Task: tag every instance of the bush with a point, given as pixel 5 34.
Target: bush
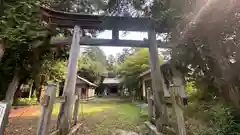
pixel 211 118
pixel 222 122
pixel 26 101
pixel 190 88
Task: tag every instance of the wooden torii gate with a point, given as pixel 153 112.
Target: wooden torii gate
pixel 80 22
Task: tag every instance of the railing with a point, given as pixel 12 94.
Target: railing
pixel 46 111
pixel 176 127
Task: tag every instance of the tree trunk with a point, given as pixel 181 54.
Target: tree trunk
pixel 17 94
pixel 40 93
pixel 10 94
pixel 1 50
pixel 31 90
pixel 12 89
pixel 39 84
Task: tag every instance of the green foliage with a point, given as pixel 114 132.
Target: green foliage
pixel 96 54
pixel 190 88
pixel 211 58
pixel 222 122
pixel 26 101
pixel 92 64
pixel 111 63
pixel 121 56
pixel 210 117
pixel 25 39
pixel 58 71
pixel 20 35
pixel 132 67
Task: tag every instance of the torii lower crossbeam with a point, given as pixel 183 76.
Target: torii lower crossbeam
pixel 107 42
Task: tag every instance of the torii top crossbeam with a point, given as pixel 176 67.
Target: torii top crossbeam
pixel 69 20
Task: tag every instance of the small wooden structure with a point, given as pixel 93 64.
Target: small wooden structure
pixel 85 89
pixel 111 85
pixel 170 74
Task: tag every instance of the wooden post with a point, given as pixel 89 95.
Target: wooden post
pixel 30 91
pixel 150 104
pixel 144 88
pixel 177 108
pixel 46 110
pixel 70 83
pixel 157 86
pixel 76 109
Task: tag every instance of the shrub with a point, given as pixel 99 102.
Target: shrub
pixel 190 88
pixel 26 101
pixel 211 118
pixel 222 122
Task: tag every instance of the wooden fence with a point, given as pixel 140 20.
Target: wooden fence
pixel 46 111
pixel 172 127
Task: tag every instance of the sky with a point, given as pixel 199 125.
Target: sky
pixel 127 36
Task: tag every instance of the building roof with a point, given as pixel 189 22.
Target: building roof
pixel 86 81
pixel 148 71
pixel 111 81
pixel 181 89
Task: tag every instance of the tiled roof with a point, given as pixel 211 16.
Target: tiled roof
pixel 111 81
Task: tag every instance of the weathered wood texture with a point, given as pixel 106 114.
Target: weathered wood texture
pixel 178 110
pixel 55 132
pixel 46 110
pixel 74 129
pixel 70 83
pixel 60 99
pixel 69 20
pixel 157 79
pixel 12 87
pixel 150 104
pixel 76 109
pixel 152 129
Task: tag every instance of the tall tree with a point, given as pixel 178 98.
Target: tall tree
pixel 25 40
pixel 132 67
pixel 122 55
pixel 111 63
pixel 95 53
pixel 208 49
pixel 92 64
pixel 20 34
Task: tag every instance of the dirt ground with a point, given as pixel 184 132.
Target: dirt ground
pixel 98 118
pixel 23 121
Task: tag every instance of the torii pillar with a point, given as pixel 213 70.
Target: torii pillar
pixel 70 83
pixel 157 86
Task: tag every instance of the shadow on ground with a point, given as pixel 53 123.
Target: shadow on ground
pixel 25 125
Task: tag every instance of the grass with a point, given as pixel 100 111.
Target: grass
pixel 104 116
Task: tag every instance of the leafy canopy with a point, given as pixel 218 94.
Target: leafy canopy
pixel 133 66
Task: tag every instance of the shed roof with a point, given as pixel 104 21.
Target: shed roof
pixel 86 81
pixel 111 81
pixel 148 71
